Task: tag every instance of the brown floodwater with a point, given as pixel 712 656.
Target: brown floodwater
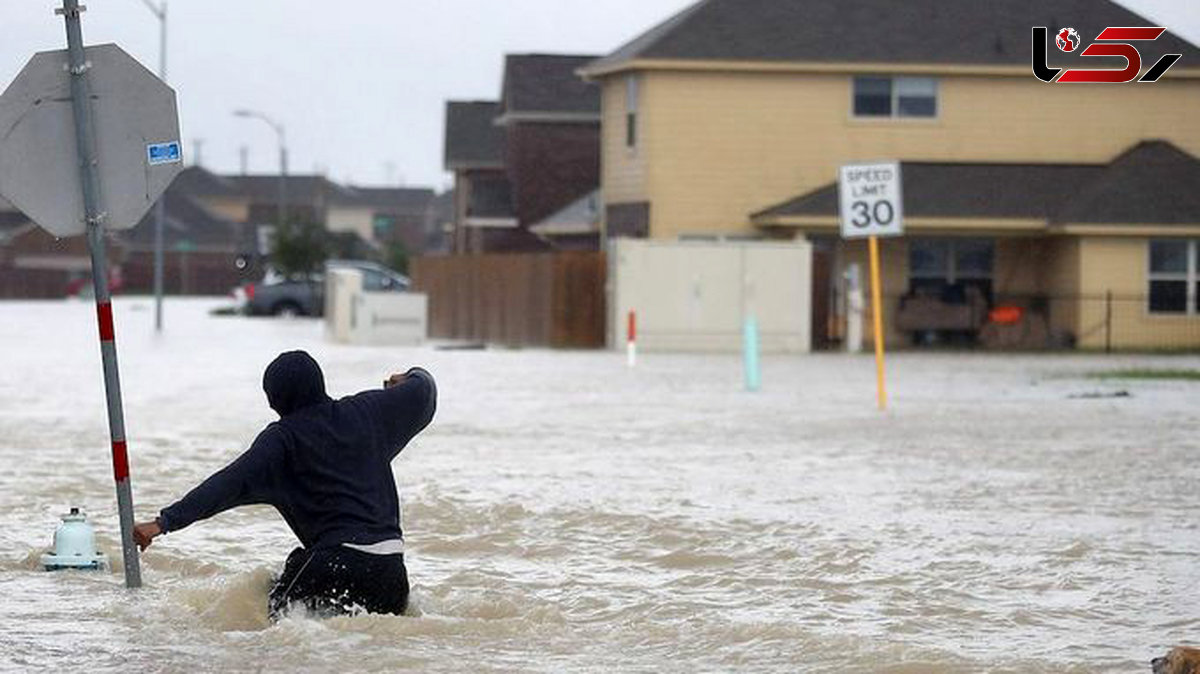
pixel 564 513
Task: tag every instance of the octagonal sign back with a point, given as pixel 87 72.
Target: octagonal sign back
pixel 136 126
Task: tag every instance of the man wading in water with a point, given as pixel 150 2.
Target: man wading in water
pixel 326 467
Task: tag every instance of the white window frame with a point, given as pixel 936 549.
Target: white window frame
pixel 1191 276
pixel 894 110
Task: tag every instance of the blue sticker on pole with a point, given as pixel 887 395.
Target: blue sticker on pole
pixel 164 153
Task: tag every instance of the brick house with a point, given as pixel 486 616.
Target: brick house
pixel 525 158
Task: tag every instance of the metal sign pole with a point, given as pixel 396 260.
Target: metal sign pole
pixel 877 315
pixel 160 214
pixel 93 210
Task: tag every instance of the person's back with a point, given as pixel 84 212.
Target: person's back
pixel 325 466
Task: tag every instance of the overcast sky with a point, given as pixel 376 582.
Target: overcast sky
pixel 360 86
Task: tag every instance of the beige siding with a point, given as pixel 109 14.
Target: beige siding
pixel 1059 279
pixel 235 209
pixel 360 220
pixel 716 147
pixel 1121 265
pixel 623 169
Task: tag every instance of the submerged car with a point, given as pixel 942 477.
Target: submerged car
pixel 305 296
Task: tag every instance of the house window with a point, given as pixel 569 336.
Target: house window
pixel 1174 277
pixel 631 108
pixel 895 97
pixel 946 267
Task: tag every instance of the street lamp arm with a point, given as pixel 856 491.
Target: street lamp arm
pixel 254 114
pixel 159 10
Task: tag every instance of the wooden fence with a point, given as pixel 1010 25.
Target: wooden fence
pixel 31 284
pixel 525 299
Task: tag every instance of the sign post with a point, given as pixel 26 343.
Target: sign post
pixel 872 206
pixel 89 139
pixel 94 217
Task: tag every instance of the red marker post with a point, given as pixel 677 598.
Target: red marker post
pixel 631 339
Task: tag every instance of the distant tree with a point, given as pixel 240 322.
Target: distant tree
pixel 397 256
pixel 300 249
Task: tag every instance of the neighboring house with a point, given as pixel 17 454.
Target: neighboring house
pixel 386 215
pixel 731 120
pixel 551 121
pixel 525 158
pixel 1064 236
pixel 221 196
pixel 217 233
pixel 308 197
pixel 203 253
pixel 474 152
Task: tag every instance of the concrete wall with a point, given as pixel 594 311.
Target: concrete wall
pixel 695 296
pixel 715 146
pixel 353 316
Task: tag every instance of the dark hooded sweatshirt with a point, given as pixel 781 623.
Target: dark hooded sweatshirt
pixel 326 464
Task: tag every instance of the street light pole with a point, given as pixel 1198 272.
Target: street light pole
pixel 160 12
pixel 281 136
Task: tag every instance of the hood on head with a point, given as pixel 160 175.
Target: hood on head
pixel 294 381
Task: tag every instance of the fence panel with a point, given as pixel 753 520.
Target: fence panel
pixel 531 299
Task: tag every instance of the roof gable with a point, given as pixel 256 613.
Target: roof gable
pixel 1153 182
pixel 547 84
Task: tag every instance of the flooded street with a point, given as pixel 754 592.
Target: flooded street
pixel 564 513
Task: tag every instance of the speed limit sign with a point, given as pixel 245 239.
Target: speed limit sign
pixel 871 200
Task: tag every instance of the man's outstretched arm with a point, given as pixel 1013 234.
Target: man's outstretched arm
pixel 406 406
pixel 248 480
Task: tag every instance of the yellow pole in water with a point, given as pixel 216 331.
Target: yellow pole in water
pixel 877 314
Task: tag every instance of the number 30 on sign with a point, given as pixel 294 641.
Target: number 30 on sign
pixel 871 200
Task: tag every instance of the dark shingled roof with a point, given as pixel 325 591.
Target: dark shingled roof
pixel 961 32
pixel 1142 186
pixel 1154 182
pixel 394 200
pixel 301 189
pixel 186 221
pixel 197 181
pixel 472 138
pixel 548 83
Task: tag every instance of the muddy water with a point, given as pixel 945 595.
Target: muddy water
pixel 566 514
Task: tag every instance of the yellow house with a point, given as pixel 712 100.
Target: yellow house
pixel 731 119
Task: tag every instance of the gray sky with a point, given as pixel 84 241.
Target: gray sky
pixel 357 84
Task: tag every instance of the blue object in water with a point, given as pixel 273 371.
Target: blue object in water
pixel 75 546
pixel 750 354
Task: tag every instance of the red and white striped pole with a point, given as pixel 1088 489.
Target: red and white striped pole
pixel 631 339
pixel 94 213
